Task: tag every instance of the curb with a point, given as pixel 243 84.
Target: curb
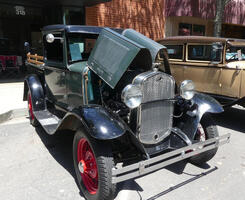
pixel 21 112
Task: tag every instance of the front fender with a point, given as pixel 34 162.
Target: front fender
pixel 33 84
pixel 206 104
pixel 99 122
pixel 190 120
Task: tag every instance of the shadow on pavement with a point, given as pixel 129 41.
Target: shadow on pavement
pixel 195 177
pixel 12 77
pixel 60 147
pixel 129 185
pixel 232 118
pixel 177 168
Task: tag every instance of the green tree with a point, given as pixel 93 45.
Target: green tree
pixel 220 7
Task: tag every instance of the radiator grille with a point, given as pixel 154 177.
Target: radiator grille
pixel 155 117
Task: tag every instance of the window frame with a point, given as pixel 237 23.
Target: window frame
pixel 200 61
pixel 55 63
pixel 183 50
pixel 85 37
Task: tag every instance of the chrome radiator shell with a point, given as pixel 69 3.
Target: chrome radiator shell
pixel 155 114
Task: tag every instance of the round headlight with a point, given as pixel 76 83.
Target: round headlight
pixel 187 89
pixel 132 96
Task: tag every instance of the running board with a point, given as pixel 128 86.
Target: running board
pixel 158 162
pixel 47 120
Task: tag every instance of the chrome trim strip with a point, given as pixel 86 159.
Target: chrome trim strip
pixel 142 168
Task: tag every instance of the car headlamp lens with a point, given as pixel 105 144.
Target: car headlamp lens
pixel 132 96
pixel 187 89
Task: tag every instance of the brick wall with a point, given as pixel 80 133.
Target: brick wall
pixel 145 16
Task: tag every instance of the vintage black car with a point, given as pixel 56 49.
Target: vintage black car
pixel 114 90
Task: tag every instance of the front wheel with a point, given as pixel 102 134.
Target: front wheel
pixel 93 163
pixel 206 130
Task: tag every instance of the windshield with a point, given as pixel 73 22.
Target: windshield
pixel 232 53
pixel 80 46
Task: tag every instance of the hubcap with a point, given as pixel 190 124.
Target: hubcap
pixel 87 166
pixel 82 166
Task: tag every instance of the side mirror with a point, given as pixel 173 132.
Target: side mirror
pixel 26 47
pixel 50 38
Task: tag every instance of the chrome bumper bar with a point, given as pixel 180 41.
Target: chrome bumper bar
pixel 158 162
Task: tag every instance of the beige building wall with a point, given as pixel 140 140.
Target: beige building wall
pixel 172 25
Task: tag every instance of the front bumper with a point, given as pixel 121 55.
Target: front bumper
pixel 158 162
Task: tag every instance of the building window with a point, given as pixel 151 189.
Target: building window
pixel 185 29
pixel 198 30
pixel 191 29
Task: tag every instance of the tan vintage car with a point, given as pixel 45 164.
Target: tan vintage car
pixel 215 65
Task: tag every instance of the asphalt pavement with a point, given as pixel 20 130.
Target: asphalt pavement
pixel 34 165
pixel 11 100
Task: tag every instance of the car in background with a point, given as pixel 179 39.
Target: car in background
pixel 215 65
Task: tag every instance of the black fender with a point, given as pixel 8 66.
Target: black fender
pixel 203 104
pixel 33 84
pixel 100 123
pixel 206 104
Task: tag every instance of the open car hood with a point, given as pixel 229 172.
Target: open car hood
pixel 113 53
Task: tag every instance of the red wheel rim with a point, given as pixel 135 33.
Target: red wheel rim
pixel 87 166
pixel 30 107
pixel 201 133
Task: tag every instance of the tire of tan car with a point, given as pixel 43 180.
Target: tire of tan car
pixel 93 163
pixel 208 129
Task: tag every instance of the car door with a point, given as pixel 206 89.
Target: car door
pixel 55 71
pixel 232 74
pixel 242 91
pixel 231 78
pixel 201 69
